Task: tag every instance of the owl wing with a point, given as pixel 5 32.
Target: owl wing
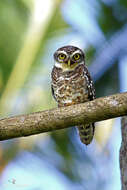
pixel 86 132
pixel 52 90
pixel 90 85
pixel 54 76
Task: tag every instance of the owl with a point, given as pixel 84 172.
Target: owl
pixel 72 84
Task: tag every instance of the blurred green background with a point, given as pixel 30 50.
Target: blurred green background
pixel 30 32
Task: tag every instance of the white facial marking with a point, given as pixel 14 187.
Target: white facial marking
pixel 64 52
pixel 77 51
pixel 68 69
pixel 58 65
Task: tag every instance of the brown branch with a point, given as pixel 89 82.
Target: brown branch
pixel 123 153
pixel 59 118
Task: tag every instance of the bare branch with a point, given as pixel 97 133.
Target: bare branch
pixel 59 118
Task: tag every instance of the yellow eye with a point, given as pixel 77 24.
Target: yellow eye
pixel 62 56
pixel 77 56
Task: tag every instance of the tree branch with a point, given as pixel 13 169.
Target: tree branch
pixel 59 118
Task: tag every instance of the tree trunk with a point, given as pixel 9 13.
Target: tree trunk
pixel 123 153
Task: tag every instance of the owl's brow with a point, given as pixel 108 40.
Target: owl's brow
pixel 61 51
pixel 77 51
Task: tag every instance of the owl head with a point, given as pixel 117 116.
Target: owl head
pixel 69 57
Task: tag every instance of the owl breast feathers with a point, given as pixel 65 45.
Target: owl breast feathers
pixel 72 84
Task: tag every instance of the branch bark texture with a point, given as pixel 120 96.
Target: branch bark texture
pixel 59 118
pixel 123 154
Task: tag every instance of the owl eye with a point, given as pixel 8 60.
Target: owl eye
pixel 77 56
pixel 61 56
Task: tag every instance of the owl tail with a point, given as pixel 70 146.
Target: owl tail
pixel 86 133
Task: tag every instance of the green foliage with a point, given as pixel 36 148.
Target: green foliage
pixel 107 21
pixel 13 22
pixel 79 163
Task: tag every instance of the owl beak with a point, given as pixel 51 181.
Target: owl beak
pixel 69 62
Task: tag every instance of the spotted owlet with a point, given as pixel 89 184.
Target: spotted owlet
pixel 72 84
